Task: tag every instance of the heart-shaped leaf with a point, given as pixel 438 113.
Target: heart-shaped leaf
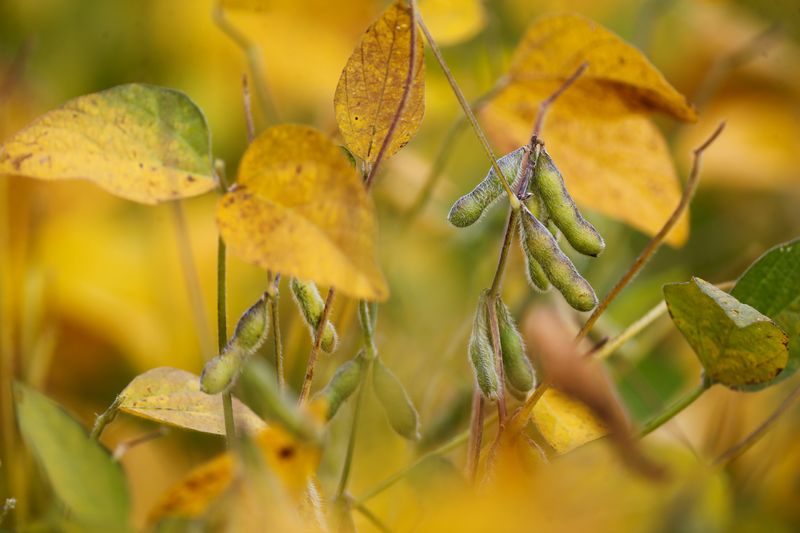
pixel 173 396
pixel 140 142
pixel 738 346
pixel 299 208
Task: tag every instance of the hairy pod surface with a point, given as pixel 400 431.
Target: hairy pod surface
pixel 517 366
pixel 534 272
pixel 539 245
pixel 469 208
pixel 481 354
pixel 252 328
pixel 399 410
pixel 311 306
pixel 220 373
pixel 342 385
pixel 578 231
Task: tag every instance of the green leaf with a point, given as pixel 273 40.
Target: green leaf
pixel 772 285
pixel 738 346
pixel 395 401
pixel 173 396
pixel 81 471
pixel 141 142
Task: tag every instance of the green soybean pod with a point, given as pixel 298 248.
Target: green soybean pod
pixel 311 305
pixel 220 373
pixel 393 397
pixel 469 208
pixel 533 270
pixel 539 245
pixel 579 232
pixel 252 328
pixel 516 365
pixel 481 354
pixel 342 385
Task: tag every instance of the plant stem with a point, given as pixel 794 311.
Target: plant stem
pixel 513 200
pixel 351 443
pixel 369 515
pixel 675 408
pixel 545 104
pixel 312 357
pixel 475 434
pixel 222 339
pixel 104 419
pixel 501 262
pixel 655 242
pixel 276 333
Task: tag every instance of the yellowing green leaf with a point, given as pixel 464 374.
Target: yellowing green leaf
pixel 139 142
pixel 173 396
pixel 553 47
pixel 613 158
pixel 737 346
pixel 453 21
pixel 81 471
pixel 373 82
pixel 564 422
pixel 300 208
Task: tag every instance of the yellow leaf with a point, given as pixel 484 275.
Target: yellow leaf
pixel 139 142
pixel 292 461
pixel 373 82
pixel 553 47
pixel 453 21
pixel 172 396
pixel 613 160
pixel 565 423
pixel 300 208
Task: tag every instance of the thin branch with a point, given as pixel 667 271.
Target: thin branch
pixel 511 224
pixel 104 419
pixel 655 242
pixel 248 110
pixel 544 106
pixel 312 358
pixel 513 200
pixel 745 444
pixel 675 408
pixel 412 59
pixel 124 447
pixel 369 515
pixel 351 441
pixel 276 333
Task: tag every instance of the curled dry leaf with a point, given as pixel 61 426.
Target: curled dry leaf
pixel 173 396
pixel 372 85
pixel 613 158
pixel 300 208
pixel 144 143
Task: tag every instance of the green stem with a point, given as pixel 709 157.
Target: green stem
pixel 351 443
pixel 222 338
pixel 312 357
pixel 675 408
pixel 276 334
pixel 512 198
pixel 369 515
pixel 501 262
pixel 104 419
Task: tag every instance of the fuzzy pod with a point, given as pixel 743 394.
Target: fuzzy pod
pixel 220 373
pixel 481 354
pixel 393 397
pixel 562 209
pixel 469 208
pixel 311 306
pixel 534 272
pixel 539 245
pixel 516 365
pixel 342 385
pixel 252 329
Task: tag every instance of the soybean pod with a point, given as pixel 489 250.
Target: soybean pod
pixel 533 270
pixel 341 386
pixel 311 306
pixel 396 404
pixel 539 245
pixel 578 231
pixel 481 354
pixel 517 366
pixel 471 206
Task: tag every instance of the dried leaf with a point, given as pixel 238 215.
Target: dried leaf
pixel 81 471
pixel 565 422
pixel 139 142
pixel 173 396
pixel 299 208
pixel 453 21
pixel 372 84
pixel 737 346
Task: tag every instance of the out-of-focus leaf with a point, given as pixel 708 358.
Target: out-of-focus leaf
pixel 565 422
pixel 292 461
pixel 173 396
pixel 140 142
pixel 299 208
pixel 772 286
pixel 612 156
pixel 81 471
pixel 372 84
pixel 453 21
pixel 395 401
pixel 738 346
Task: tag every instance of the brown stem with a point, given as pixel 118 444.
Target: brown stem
pixel 544 106
pixel 501 262
pixel 403 101
pixel 312 358
pixel 655 242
